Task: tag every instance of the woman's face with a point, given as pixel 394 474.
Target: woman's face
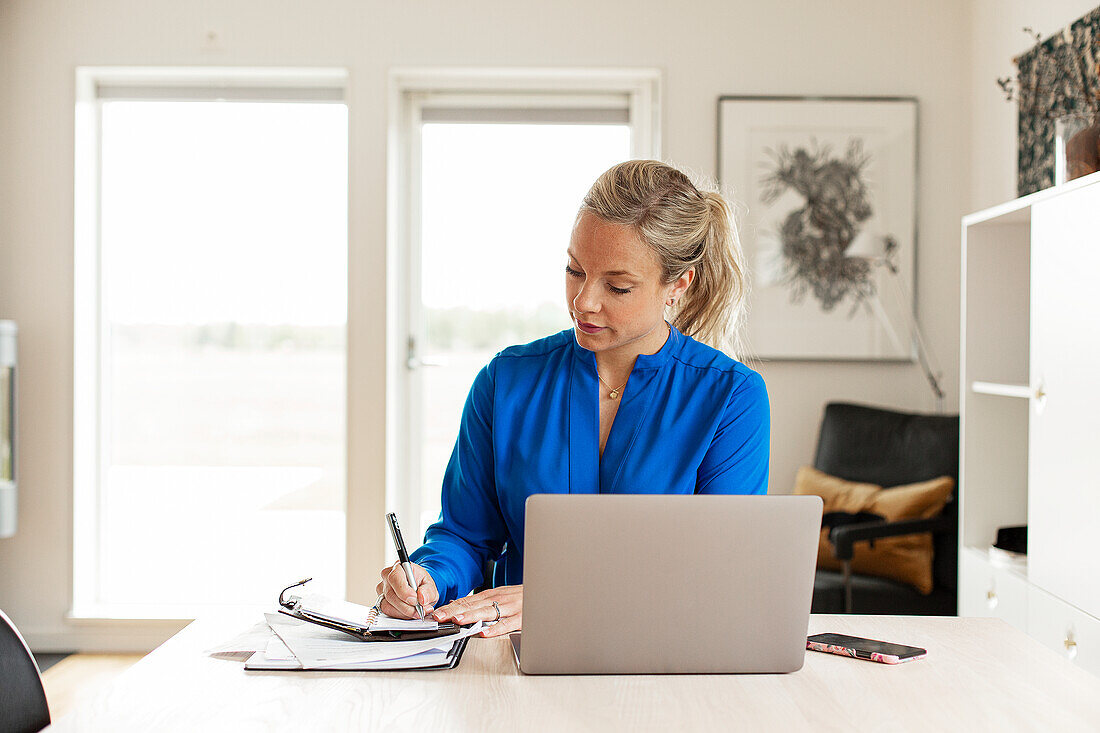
pixel 612 282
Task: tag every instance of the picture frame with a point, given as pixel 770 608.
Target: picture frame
pixel 826 188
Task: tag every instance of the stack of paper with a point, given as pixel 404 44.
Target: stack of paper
pixel 283 642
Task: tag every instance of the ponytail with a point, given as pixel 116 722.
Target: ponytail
pixel 712 308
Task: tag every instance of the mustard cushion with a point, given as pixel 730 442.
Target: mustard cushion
pixel 906 559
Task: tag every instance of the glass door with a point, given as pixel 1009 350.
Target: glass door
pixel 497 202
pixel 220 353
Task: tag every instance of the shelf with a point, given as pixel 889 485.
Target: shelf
pixel 1018 210
pixel 1023 391
pixel 1017 569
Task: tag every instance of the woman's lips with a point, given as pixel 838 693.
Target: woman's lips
pixel 589 328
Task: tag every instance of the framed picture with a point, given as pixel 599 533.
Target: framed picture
pixel 828 229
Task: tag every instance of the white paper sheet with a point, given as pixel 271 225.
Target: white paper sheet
pixel 253 640
pixel 278 651
pixel 319 648
pixel 431 658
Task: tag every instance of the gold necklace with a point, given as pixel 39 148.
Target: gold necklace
pixel 614 392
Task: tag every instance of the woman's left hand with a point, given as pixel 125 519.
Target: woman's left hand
pixel 479 607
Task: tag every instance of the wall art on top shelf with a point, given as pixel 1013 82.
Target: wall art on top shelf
pixel 1057 90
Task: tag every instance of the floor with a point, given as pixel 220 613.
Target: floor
pixel 70 679
pixel 46 660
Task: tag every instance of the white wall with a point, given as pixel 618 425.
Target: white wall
pixel 705 48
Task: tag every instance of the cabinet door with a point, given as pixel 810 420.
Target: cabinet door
pixel 988 591
pixel 1065 629
pixel 1064 425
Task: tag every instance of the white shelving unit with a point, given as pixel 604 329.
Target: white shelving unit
pixel 1030 414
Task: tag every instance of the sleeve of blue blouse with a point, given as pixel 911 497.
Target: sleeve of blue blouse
pixel 737 460
pixel 470 527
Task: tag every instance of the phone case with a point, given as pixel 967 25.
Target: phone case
pixel 845 651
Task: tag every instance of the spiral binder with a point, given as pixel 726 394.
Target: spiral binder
pixel 292 605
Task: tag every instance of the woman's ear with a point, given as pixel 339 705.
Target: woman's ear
pixel 680 286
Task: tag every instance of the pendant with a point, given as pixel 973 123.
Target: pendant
pixel 614 394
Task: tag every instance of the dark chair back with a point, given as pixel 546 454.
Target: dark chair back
pixel 888 448
pixel 23 707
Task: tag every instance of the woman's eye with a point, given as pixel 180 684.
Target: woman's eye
pixel 578 273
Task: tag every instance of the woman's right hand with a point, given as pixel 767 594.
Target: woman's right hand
pixel 399 600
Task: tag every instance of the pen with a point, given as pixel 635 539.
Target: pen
pixel 403 557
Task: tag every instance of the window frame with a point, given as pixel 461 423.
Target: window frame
pixel 94 85
pixel 545 91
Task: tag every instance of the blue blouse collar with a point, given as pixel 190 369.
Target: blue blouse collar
pixel 644 361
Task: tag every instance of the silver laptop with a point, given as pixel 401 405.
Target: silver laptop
pixel 641 584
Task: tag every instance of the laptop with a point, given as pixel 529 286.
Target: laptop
pixel 643 584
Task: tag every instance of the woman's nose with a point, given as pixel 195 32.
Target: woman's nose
pixel 586 300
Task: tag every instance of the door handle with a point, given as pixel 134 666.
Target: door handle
pixel 1040 397
pixel 414 361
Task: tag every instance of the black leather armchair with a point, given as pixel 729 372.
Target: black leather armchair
pixel 888 448
pixel 23 707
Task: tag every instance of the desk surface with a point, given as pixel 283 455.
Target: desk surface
pixel 980 674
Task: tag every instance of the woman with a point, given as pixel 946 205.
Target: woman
pixel 624 402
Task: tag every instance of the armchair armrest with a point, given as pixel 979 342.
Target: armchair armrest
pixel 844 537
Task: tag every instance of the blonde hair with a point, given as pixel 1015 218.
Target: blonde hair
pixel 685 225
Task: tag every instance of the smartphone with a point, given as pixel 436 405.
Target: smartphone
pixel 860 648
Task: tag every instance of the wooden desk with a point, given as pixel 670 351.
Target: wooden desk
pixel 980 674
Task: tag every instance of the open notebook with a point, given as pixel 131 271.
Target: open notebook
pixel 293 645
pixel 361 622
pixel 316 632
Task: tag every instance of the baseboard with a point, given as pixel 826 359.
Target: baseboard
pixel 114 636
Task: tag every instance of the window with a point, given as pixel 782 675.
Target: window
pixel 492 274
pixel 496 174
pixel 210 343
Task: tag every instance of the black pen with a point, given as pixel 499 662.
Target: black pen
pixel 403 558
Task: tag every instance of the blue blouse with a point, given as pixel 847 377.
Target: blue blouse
pixel 692 420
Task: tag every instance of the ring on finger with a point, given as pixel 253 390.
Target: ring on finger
pixel 497 607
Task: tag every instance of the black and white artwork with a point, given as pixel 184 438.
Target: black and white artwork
pixel 828 228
